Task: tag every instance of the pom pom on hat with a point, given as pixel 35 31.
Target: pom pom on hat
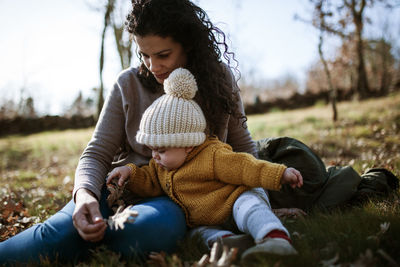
pixel 181 83
pixel 174 119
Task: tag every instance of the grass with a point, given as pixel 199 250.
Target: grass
pixel 36 176
pixel 344 237
pixel 41 168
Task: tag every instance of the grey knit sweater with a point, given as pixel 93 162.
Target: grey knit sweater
pixel 113 142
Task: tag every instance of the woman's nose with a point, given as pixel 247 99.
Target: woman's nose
pixel 154 65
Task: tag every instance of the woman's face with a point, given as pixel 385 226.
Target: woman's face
pixel 160 55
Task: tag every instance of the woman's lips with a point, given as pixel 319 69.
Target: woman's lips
pixel 162 76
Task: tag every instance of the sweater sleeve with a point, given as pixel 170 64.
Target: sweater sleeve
pixel 144 180
pixel 243 169
pixel 238 134
pixel 95 161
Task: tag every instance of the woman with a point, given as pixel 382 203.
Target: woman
pixel 169 34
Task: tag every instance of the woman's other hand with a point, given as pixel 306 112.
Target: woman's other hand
pixel 87 218
pixel 293 177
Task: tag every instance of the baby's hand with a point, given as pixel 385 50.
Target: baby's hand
pixel 122 173
pixel 293 177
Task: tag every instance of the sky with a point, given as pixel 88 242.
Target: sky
pixel 49 49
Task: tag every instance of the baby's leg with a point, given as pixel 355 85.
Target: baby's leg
pixel 209 234
pixel 253 215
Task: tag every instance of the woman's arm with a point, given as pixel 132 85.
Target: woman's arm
pixel 96 159
pixel 238 134
pixel 94 165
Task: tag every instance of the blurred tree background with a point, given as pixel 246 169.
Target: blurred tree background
pixel 355 65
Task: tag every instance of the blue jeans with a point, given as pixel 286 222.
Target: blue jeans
pixel 160 224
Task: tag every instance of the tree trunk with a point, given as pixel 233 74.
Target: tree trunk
pixel 123 47
pixel 332 89
pixel 386 75
pixel 362 86
pixel 107 16
pixel 362 80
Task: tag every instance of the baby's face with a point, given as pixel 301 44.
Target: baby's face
pixel 170 158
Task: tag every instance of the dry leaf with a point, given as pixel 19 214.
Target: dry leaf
pixel 114 199
pixel 122 216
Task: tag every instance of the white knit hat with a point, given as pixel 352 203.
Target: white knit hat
pixel 174 119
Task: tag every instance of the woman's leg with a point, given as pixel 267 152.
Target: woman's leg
pixel 55 237
pixel 158 227
pixel 160 224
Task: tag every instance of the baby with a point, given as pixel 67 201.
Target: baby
pixel 210 182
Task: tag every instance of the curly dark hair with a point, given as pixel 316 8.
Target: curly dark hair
pixel 190 26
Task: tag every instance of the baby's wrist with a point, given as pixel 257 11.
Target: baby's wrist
pixel 131 167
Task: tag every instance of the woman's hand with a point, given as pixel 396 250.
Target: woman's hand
pixel 293 177
pixel 87 218
pixel 122 173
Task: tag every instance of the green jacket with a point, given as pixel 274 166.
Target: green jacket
pixel 323 188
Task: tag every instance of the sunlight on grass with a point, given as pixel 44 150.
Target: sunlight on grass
pixel 38 170
pixel 43 149
pixel 365 135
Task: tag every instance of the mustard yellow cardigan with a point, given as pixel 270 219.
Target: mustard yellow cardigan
pixel 208 183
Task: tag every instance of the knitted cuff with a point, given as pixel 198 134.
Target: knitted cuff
pixel 132 167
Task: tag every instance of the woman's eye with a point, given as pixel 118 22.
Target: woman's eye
pixel 163 55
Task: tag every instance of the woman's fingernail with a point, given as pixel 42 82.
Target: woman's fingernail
pixel 98 219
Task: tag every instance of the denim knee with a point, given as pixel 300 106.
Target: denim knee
pixel 158 227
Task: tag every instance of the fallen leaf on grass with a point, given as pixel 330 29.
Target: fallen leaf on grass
pixel 330 262
pixel 14 217
pixel 366 259
pixel 298 235
pixel 289 213
pixel 383 229
pixel 387 257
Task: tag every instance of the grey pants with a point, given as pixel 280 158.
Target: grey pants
pixel 251 214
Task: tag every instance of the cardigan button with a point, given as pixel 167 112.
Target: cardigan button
pixel 167 185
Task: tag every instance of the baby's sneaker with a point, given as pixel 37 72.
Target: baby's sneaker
pixel 277 246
